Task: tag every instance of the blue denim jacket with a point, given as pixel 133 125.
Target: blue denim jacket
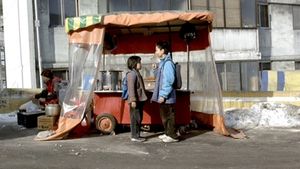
pixel 164 80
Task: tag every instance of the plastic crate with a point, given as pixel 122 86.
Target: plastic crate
pixel 29 119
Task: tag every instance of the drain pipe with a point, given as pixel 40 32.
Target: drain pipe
pixel 37 30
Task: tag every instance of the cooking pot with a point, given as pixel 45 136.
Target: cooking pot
pixel 110 80
pixel 52 109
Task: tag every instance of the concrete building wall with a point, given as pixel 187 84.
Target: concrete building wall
pixel 280 42
pixel 282 33
pixel 296 2
pixel 235 44
pixel 19 43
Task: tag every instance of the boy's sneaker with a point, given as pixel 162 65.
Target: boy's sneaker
pixel 162 136
pixel 168 139
pixel 138 139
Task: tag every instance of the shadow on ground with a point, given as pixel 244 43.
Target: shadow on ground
pixel 12 130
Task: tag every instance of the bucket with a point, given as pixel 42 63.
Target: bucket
pixel 110 80
pixel 52 109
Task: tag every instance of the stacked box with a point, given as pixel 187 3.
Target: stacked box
pixel 47 122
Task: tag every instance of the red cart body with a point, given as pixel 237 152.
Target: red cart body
pixel 110 109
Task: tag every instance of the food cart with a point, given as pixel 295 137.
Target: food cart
pixel 95 40
pixel 139 37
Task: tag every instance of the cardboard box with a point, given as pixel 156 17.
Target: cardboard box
pixel 47 122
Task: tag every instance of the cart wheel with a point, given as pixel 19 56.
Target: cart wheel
pixel 106 123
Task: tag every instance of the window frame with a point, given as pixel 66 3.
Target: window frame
pixel 259 23
pixel 129 2
pixel 255 17
pixel 62 17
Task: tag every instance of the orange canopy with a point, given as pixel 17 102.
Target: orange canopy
pixel 86 29
pixel 139 19
pixel 157 18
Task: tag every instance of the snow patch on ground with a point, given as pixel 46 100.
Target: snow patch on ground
pixel 264 115
pixel 8 117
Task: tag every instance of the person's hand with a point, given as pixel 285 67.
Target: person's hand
pixel 161 100
pixel 154 66
pixel 32 97
pixel 133 104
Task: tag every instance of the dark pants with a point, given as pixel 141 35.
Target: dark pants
pixel 136 117
pixel 167 114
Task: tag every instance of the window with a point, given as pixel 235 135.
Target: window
pixel 239 76
pixel 227 13
pixel 179 5
pixel 264 66
pixel 297 65
pixel 229 76
pixel 55 12
pixel 118 5
pixel 263 15
pixel 232 13
pixel 250 76
pixel 199 4
pixel 61 9
pixel 146 5
pixel 138 5
pixel 61 73
pixel 217 7
pixel 248 13
pixel 296 17
pixel 157 5
pixel 69 8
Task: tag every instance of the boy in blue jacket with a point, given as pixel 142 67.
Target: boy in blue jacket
pixel 164 92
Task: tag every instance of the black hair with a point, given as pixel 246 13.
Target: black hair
pixel 47 73
pixel 133 61
pixel 163 45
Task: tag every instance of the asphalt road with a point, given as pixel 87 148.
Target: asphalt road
pixel 265 148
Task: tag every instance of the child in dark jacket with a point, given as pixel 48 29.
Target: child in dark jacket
pixel 136 97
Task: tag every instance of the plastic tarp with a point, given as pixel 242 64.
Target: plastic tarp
pixel 84 60
pixel 206 100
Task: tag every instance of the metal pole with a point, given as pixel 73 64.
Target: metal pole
pixel 188 66
pixel 37 30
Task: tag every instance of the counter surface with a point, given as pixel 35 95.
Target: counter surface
pixel 120 91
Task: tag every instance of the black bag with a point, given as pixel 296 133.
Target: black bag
pixel 178 81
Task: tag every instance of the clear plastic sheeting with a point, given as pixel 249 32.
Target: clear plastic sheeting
pixel 263 115
pixel 85 61
pixel 84 65
pixel 206 96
